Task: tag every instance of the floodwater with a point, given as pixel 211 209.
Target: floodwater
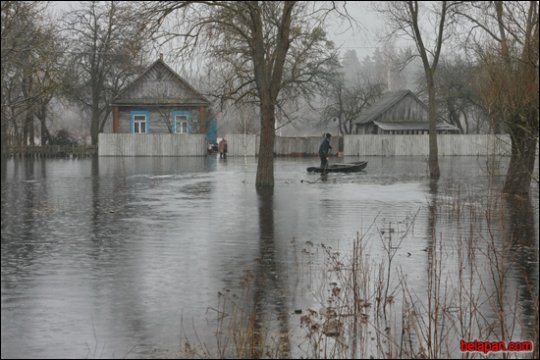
pixel 124 257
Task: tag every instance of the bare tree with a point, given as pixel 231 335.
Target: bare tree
pixel 31 54
pixel 455 82
pixel 108 47
pixel 48 78
pixel 348 102
pixel 405 17
pixel 505 38
pixel 353 87
pixel 268 50
pixel 244 123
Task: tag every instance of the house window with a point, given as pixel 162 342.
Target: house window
pixel 181 124
pixel 139 124
pixel 181 121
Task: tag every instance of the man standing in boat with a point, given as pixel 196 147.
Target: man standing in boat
pixel 324 149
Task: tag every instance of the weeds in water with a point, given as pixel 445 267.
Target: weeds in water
pixel 369 308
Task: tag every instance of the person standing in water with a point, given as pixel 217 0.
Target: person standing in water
pixel 222 148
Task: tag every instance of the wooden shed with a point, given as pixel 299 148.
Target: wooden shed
pixel 399 112
pixel 160 101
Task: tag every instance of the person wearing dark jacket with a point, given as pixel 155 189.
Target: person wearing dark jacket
pixel 324 149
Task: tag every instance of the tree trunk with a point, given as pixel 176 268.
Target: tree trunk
pixel 434 171
pixel 94 125
pixel 519 175
pixel 103 122
pixel 268 77
pixel 265 165
pixel 94 131
pixel 453 114
pixel 342 126
pixel 496 127
pixel 45 134
pixel 28 129
pixel 466 120
pixel 28 119
pixel 97 85
pixel 31 131
pixel 348 127
pixel 3 138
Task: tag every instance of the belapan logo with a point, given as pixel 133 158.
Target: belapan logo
pixel 486 347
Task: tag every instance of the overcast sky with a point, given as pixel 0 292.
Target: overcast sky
pixel 363 37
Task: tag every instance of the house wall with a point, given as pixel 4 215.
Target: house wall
pixel 158 125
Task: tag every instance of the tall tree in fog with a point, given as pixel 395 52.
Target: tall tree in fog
pixel 351 68
pixel 406 17
pixel 270 50
pixel 107 43
pixel 506 42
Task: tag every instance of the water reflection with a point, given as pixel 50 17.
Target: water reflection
pixel 270 289
pixel 123 256
pixel 522 236
pixel 432 213
pixel 3 172
pixel 95 194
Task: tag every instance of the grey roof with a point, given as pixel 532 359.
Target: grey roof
pixel 390 99
pixel 386 101
pixel 199 100
pixel 413 126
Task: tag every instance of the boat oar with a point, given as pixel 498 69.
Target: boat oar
pixel 323 174
pixel 312 182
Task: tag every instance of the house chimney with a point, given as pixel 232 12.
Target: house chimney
pixel 161 56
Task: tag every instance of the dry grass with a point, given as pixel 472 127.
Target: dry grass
pixel 369 310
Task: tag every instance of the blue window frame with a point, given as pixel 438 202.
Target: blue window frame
pixel 140 122
pixel 181 121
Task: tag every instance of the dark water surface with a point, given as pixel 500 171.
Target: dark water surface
pixel 123 257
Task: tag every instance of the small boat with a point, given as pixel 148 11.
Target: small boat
pixel 347 167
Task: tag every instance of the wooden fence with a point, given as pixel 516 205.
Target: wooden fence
pixel 354 145
pixel 376 145
pixel 448 145
pixel 302 146
pixel 152 145
pixel 248 145
pixel 242 144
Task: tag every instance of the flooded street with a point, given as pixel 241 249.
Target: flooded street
pixel 124 257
